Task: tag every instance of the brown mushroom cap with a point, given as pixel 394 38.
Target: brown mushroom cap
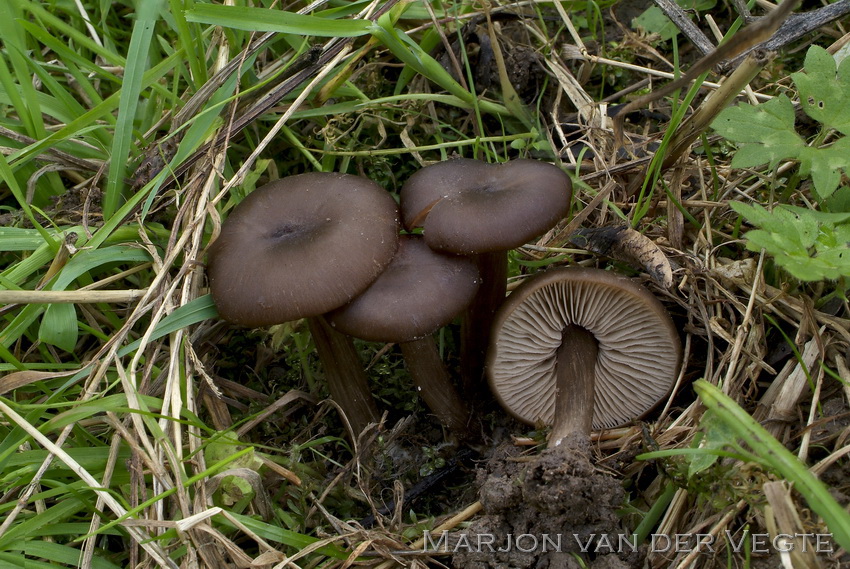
pixel 301 246
pixel 419 292
pixel 470 207
pixel 638 346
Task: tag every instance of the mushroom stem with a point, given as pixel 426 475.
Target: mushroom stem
pixel 434 384
pixel 347 382
pixel 575 384
pixel 478 320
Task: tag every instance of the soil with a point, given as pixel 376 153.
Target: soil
pixel 539 513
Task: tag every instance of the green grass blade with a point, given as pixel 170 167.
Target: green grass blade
pixel 60 553
pixel 776 456
pixel 8 176
pixel 59 326
pixel 137 60
pixel 61 511
pixel 188 37
pixel 13 39
pixel 193 312
pixel 265 20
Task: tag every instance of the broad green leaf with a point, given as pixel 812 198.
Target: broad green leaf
pixel 828 218
pixel 19 239
pixel 823 89
pixel 716 436
pixel 796 228
pixel 810 245
pixel 764 133
pixel 654 21
pixel 88 259
pixel 824 165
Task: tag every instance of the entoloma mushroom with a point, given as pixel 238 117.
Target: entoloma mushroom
pixel 469 207
pixel 299 247
pixel 420 291
pixel 581 349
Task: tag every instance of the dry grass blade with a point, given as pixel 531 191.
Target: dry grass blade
pixel 69 296
pixel 787 529
pixel 143 539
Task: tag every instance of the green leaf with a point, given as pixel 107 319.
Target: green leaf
pixel 111 403
pixel 190 313
pixel 810 245
pixel 59 553
pixel 823 89
pixel 764 133
pixel 653 20
pixel 265 20
pixel 131 89
pixel 824 165
pixel 796 229
pixel 19 239
pixel 717 436
pixel 59 326
pixel 59 512
pixel 291 538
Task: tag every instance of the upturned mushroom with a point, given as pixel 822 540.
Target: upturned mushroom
pixel 469 207
pixel 581 349
pixel 299 247
pixel 421 291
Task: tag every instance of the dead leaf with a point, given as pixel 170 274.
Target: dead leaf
pixel 629 246
pixel 16 379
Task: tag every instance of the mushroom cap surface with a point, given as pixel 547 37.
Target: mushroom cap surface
pixel 301 246
pixel 469 207
pixel 638 346
pixel 419 292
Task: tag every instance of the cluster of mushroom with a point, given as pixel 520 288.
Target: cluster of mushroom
pixel 326 247
pixel 573 348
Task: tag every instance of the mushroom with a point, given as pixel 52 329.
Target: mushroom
pixel 581 349
pixel 420 291
pixel 469 207
pixel 299 247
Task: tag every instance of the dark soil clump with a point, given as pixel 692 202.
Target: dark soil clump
pixel 539 513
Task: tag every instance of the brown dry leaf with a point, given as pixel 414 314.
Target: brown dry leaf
pixel 268 558
pixel 625 244
pixel 16 379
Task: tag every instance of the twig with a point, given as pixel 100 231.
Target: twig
pixel 744 40
pixel 686 26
